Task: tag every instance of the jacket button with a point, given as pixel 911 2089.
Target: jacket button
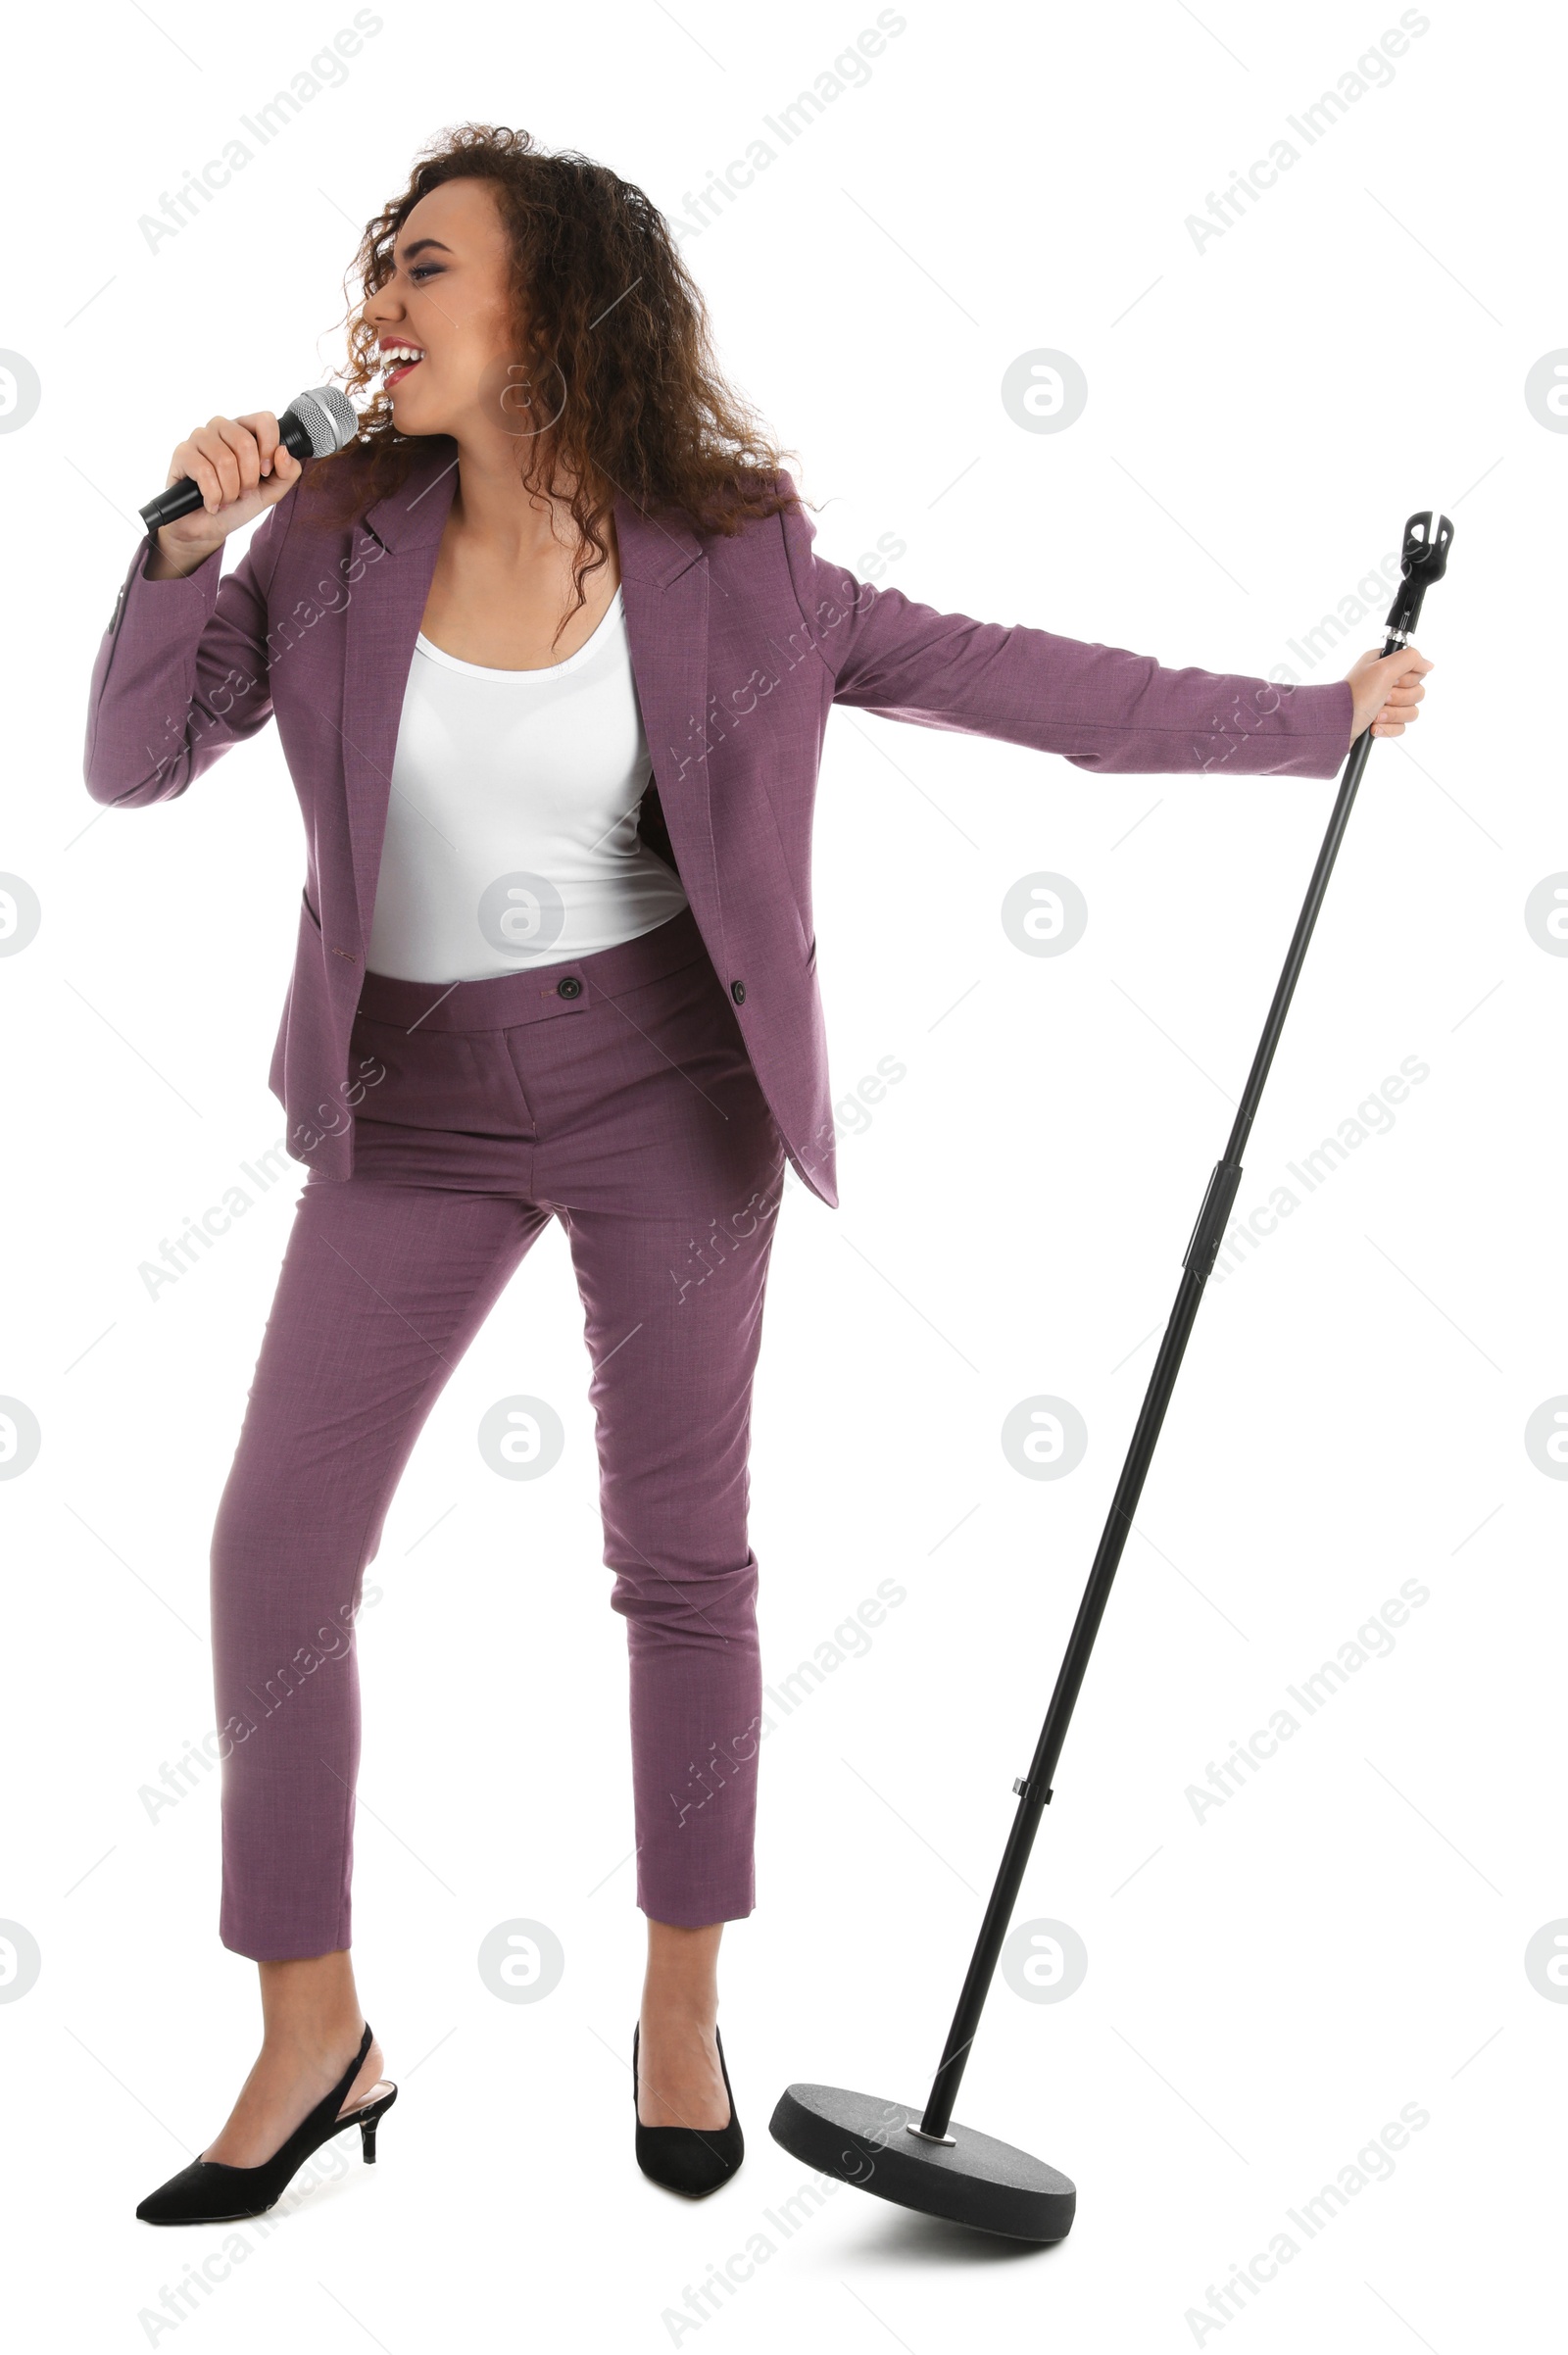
pixel 570 986
pixel 737 990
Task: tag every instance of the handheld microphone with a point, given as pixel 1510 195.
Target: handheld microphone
pixel 313 425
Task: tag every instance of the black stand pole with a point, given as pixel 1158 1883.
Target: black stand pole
pixel 1424 557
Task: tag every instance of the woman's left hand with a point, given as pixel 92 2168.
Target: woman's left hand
pixel 1386 689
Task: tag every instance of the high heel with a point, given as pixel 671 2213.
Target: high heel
pixel 692 2160
pixel 209 2193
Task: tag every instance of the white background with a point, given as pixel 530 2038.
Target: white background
pixel 1267 1987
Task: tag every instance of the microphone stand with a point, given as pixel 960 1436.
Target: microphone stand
pixel 1424 558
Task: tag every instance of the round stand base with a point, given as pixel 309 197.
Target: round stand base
pixel 970 2181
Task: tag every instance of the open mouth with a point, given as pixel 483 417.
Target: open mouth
pixel 396 360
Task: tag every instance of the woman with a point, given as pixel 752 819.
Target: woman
pixel 551 654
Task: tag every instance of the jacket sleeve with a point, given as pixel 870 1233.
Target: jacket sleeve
pixel 183 671
pixel 1097 706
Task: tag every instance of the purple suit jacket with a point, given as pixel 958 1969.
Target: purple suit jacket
pixel 740 648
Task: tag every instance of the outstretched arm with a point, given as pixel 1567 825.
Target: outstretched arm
pixel 1099 707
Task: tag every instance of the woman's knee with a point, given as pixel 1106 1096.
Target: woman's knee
pixel 664 1602
pixel 285 1559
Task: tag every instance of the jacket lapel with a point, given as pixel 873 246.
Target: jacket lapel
pixel 664 593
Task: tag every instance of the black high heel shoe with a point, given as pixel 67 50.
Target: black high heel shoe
pixel 692 2160
pixel 209 2193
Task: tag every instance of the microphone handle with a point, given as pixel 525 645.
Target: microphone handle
pixel 184 497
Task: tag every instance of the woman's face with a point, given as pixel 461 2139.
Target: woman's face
pixel 448 307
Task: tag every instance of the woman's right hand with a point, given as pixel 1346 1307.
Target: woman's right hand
pixel 241 468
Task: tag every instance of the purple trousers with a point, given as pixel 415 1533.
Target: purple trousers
pixel 612 1091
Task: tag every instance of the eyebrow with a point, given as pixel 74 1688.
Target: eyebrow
pixel 419 245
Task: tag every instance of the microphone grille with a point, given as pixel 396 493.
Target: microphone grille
pixel 328 416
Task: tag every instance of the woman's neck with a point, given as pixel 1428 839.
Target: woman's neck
pixel 495 510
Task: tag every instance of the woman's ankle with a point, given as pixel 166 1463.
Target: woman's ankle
pixel 309 2009
pixel 680 2007
pixel 680 1984
pixel 314 2044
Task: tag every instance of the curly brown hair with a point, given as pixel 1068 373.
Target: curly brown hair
pixel 600 294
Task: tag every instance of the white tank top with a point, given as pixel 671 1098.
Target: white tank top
pixel 511 824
